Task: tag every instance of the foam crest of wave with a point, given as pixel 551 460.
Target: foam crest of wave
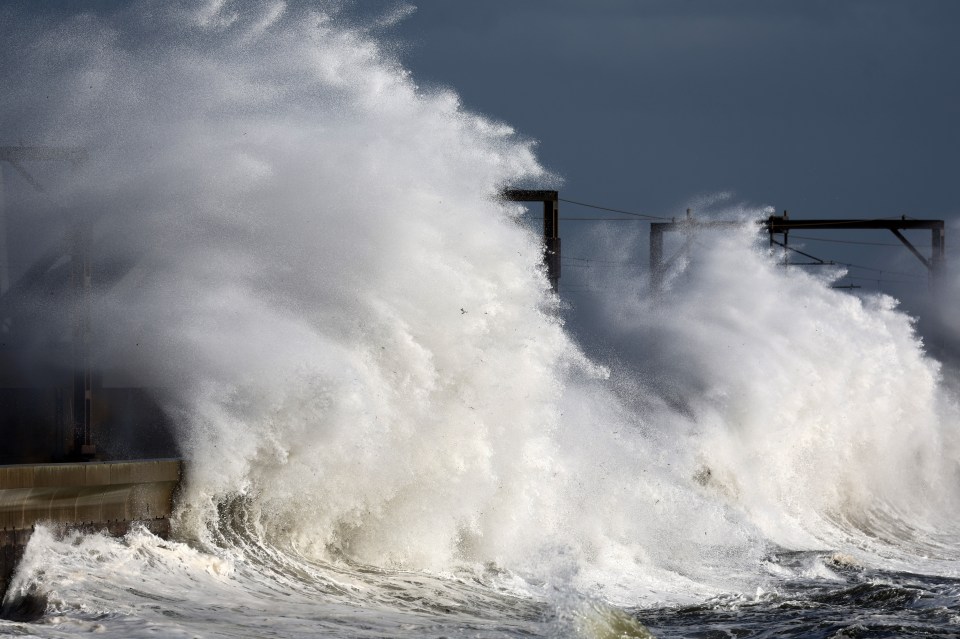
pixel 364 356
pixel 814 411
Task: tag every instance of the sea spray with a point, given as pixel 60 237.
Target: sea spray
pixel 370 374
pixel 317 274
pixel 814 410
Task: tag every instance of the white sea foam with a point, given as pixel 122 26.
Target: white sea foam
pixel 367 365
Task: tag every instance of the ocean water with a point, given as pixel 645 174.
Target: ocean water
pixel 388 430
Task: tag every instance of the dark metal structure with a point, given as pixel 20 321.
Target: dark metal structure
pixel 80 285
pixel 687 226
pixel 48 410
pixel 782 225
pixel 551 227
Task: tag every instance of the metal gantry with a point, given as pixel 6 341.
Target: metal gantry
pixel 15 156
pixel 551 227
pixel 687 226
pixel 781 225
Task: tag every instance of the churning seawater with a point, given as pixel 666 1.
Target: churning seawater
pixel 388 430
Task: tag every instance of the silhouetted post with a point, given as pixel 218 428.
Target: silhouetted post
pixel 938 252
pixel 688 227
pixel 688 236
pixel 934 264
pixel 551 240
pixel 786 240
pixel 4 257
pixel 656 255
pixel 82 375
pixel 551 227
pixel 16 156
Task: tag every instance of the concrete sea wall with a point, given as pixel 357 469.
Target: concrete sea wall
pixel 108 496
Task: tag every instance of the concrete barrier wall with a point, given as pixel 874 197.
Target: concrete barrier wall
pixel 86 493
pixel 89 473
pixel 92 496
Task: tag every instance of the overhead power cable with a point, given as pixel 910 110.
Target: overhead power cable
pixel 564 218
pixel 579 265
pixel 603 219
pixel 849 264
pixel 812 257
pixel 601 263
pixel 882 270
pixel 591 259
pixel 606 208
pixel 820 239
pixel 878 279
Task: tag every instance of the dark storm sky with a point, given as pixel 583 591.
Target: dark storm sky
pixel 821 107
pixel 827 108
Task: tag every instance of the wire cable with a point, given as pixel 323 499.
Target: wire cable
pixel 849 264
pixel 591 259
pixel 605 208
pixel 878 279
pixel 790 248
pixel 882 270
pixel 602 219
pixel 820 239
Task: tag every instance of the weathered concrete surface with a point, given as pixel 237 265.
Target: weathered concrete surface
pixel 107 496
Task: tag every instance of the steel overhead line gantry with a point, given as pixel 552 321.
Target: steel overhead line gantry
pixel 551 227
pixel 83 446
pixel 782 225
pixel 658 266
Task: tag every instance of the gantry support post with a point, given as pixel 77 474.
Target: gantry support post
pixel 551 227
pixel 657 268
pixel 934 265
pixel 83 446
pixel 81 395
pixel 938 251
pixel 689 226
pixel 786 242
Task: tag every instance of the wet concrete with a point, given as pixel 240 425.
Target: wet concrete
pixel 94 496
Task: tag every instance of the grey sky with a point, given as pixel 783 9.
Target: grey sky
pixel 826 108
pixel 820 107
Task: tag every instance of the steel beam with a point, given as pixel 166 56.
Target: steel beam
pixel 659 266
pixel 83 447
pixel 551 227
pixel 937 228
pixel 779 224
